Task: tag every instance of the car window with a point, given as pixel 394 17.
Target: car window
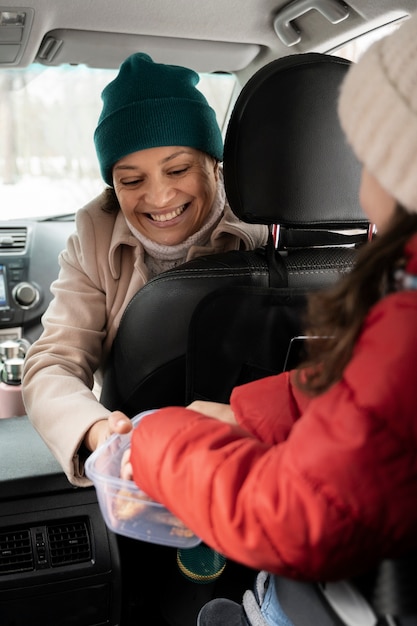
pixel 48 165
pixel 354 49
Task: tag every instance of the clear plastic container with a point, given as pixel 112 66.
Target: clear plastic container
pixel 126 509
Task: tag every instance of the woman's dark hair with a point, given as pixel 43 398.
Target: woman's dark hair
pixel 110 202
pixel 337 315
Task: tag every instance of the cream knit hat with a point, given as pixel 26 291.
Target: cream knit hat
pixel 378 112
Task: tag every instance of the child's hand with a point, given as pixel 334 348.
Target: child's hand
pixel 221 412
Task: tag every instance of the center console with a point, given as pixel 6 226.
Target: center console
pixel 28 265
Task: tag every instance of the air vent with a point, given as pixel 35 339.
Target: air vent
pixel 12 239
pixel 69 542
pixel 15 552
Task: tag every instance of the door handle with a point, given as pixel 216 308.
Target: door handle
pixel 332 10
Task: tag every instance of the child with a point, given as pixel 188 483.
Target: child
pixel 312 475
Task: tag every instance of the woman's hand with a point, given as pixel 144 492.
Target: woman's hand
pixel 221 412
pixel 126 471
pixel 117 422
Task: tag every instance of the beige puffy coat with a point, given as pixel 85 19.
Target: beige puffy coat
pixel 101 269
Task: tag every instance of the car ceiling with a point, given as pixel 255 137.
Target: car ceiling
pixel 220 35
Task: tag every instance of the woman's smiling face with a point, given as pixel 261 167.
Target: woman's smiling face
pixel 166 193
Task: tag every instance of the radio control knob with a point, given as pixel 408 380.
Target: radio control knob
pixel 26 295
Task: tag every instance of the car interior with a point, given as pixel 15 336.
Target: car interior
pixel 225 320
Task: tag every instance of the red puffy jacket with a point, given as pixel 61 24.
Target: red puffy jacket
pixel 312 489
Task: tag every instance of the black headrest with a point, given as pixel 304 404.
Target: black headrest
pixel 286 160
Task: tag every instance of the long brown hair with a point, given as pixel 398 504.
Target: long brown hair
pixel 336 315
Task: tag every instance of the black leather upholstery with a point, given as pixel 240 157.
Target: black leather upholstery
pixel 250 339
pixel 147 368
pixel 199 329
pixel 286 160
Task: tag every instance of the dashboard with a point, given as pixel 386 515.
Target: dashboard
pixel 28 265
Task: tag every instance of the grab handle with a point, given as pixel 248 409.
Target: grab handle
pixel 332 10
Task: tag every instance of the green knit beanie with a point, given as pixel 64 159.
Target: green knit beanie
pixel 149 105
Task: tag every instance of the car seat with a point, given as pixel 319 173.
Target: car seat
pixel 199 329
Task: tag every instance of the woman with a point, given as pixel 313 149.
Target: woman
pixel 312 475
pixel 159 148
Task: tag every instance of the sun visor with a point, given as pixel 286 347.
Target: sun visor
pixel 109 50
